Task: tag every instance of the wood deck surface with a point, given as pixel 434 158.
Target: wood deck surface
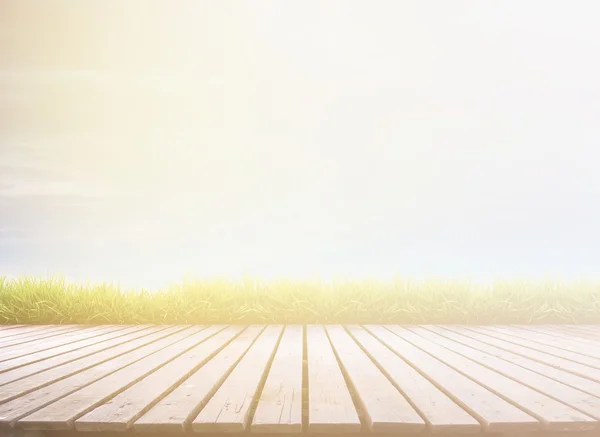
pixel 315 379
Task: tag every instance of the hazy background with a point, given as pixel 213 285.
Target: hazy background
pixel 144 140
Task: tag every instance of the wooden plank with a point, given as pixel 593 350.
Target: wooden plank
pixel 570 379
pixel 57 340
pixel 581 337
pixel 62 332
pixel 7 327
pixel 23 386
pixel 83 343
pixel 552 414
pixel 574 330
pixel 384 408
pixel 17 330
pixel 595 337
pixel 552 340
pixel 542 357
pixel 571 326
pixel 29 337
pixel 441 414
pixel 565 328
pixel 593 328
pixel 578 400
pixel 175 411
pixel 330 406
pixel 20 330
pixel 21 406
pixel 279 408
pixel 119 413
pixel 561 353
pixel 554 332
pixel 577 351
pixel 494 413
pixel 563 332
pixel 61 414
pixel 24 366
pixel 229 409
pixel 578 329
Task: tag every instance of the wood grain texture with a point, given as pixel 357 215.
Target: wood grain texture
pixel 578 400
pixel 7 327
pixel 594 329
pixel 384 408
pixel 275 380
pixel 21 406
pixel 119 413
pixel 35 363
pixel 551 350
pixel 229 409
pixel 542 357
pixel 552 414
pixel 29 330
pixel 13 331
pixel 548 344
pixel 441 413
pixel 27 337
pixel 588 335
pixel 581 335
pixel 553 339
pixel 173 413
pixel 279 408
pixel 570 379
pixel 62 413
pixel 494 413
pixel 65 350
pixel 56 341
pixel 584 329
pixel 330 405
pixel 21 387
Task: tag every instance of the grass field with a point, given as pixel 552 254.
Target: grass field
pixel 34 300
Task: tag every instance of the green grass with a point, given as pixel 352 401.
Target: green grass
pixel 34 300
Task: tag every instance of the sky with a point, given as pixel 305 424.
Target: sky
pixel 141 141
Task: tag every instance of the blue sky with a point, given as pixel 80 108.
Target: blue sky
pixel 309 139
